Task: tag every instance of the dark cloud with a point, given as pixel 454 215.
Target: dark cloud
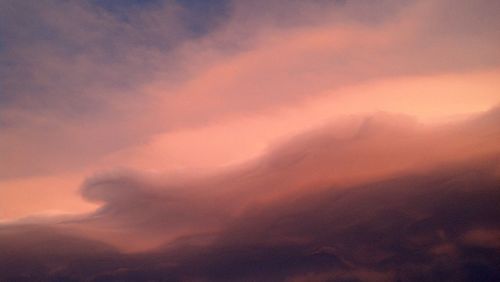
pixel 41 253
pixel 387 200
pixel 411 228
pixel 437 221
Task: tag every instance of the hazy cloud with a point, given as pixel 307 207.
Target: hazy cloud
pixel 249 140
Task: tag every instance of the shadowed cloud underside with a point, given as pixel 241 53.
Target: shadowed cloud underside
pixel 190 140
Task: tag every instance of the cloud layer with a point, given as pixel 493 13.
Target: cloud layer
pixel 315 209
pixel 249 140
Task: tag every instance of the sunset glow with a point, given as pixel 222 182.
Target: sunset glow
pixel 192 140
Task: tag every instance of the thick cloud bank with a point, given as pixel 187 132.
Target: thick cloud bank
pixel 237 140
pixel 327 206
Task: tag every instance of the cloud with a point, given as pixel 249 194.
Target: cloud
pixel 380 147
pixel 81 81
pixel 368 155
pixel 310 210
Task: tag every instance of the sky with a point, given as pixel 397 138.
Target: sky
pixel 278 140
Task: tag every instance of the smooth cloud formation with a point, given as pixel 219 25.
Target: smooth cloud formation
pixel 355 208
pixel 71 71
pixel 191 140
